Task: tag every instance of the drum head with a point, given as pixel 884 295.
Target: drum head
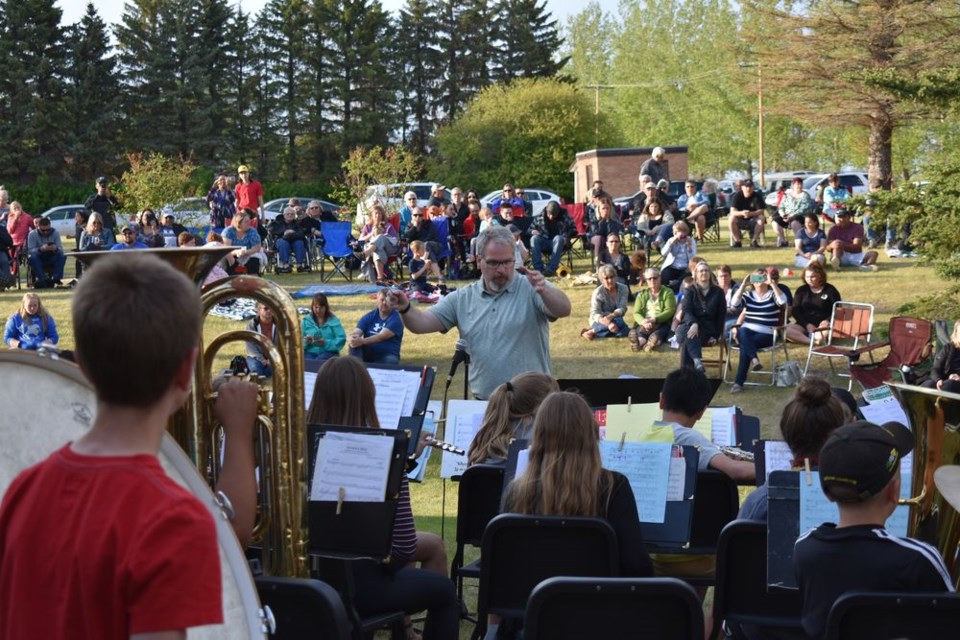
pixel 32 430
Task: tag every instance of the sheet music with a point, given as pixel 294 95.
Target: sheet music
pixel 392 390
pixel 464 418
pixel 355 462
pixel 676 486
pixel 705 424
pixel 816 508
pixel 776 457
pixel 723 430
pixel 523 459
pixel 309 382
pixel 647 466
pixel 884 408
pixel 634 420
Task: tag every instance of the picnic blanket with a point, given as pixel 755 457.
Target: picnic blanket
pixel 336 289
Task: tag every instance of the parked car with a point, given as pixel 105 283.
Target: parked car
pixel 775 182
pixel 676 190
pixel 391 195
pixel 193 213
pixel 854 181
pixel 63 219
pixel 538 198
pixel 276 207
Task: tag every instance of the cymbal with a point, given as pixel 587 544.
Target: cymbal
pixel 947 479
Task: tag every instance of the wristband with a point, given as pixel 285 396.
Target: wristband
pixel 405 309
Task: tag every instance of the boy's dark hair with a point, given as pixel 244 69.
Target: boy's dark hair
pixel 686 391
pixel 136 319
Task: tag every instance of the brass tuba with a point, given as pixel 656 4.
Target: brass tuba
pixel 935 422
pixel 281 455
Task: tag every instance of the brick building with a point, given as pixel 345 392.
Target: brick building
pixel 620 169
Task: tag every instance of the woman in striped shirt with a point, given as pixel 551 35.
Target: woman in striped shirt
pixel 763 302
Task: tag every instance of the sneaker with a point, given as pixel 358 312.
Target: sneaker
pixel 868 267
pixel 736 244
pixel 755 244
pixel 302 267
pixel 698 365
pixel 782 243
pixel 893 252
pixel 756 365
pixel 835 261
pixel 736 388
pixel 674 344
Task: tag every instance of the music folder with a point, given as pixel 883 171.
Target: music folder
pixel 360 529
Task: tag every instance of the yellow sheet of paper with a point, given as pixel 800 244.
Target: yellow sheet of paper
pixel 705 425
pixel 637 421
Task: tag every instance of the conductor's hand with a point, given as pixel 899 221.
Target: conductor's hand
pixel 535 278
pixel 236 407
pixel 398 300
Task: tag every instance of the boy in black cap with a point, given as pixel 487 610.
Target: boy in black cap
pixel 860 471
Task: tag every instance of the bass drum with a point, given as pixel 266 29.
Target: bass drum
pixel 47 403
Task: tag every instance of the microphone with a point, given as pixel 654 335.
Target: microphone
pixel 460 355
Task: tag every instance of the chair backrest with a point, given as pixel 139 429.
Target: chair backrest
pixel 337 237
pixel 303 608
pixel 850 321
pixel 715 504
pixel 880 616
pixel 576 212
pixel 613 609
pixel 910 341
pixel 520 551
pixel 741 595
pixel 481 487
pixel 442 225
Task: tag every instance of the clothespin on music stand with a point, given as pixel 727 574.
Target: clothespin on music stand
pixel 341 495
pixel 623 440
pixel 806 468
pixel 629 403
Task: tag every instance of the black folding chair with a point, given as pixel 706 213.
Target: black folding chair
pixel 481 487
pixel 885 616
pixel 520 551
pixel 613 609
pixel 303 608
pixel 715 503
pixel 338 573
pixel 741 598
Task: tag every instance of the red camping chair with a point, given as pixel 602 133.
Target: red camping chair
pixel 910 345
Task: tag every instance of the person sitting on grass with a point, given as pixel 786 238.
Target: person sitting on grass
pixel 608 306
pixel 419 266
pixel 860 472
pixel 652 312
pixel 323 335
pixel 379 334
pixel 677 252
pixel 31 327
pixel 845 244
pixel 263 323
pixel 509 416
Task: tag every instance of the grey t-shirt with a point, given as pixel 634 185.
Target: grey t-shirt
pixel 507 333
pixel 687 437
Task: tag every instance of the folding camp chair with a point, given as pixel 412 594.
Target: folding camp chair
pixel 336 250
pixel 910 345
pixel 770 369
pixel 850 326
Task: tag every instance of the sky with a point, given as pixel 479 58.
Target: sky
pixel 111 10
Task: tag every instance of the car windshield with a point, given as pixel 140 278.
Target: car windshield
pixel 810 183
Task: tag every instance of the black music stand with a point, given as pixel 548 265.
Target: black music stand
pixel 599 392
pixel 361 529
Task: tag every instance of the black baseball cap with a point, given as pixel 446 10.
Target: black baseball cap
pixel 859 459
pixel 102 180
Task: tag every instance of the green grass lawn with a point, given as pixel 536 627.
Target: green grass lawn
pixel 435 501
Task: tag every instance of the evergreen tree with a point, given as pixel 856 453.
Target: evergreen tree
pixel 222 47
pixel 464 37
pixel 528 41
pixel 92 118
pixel 359 90
pixel 421 72
pixel 32 104
pixel 285 26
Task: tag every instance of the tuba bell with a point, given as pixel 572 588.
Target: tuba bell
pixel 281 528
pixel 935 422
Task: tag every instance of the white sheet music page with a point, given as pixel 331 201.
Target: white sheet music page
pixel 309 382
pixel 776 456
pixel 722 421
pixel 355 462
pixel 883 407
pixel 464 418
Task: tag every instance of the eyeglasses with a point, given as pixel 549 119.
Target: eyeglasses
pixel 127 233
pixel 496 264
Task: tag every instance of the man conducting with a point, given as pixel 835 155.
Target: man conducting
pixel 504 319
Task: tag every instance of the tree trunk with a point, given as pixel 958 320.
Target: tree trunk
pixel 880 152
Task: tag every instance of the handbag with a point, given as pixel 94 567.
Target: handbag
pixel 787 374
